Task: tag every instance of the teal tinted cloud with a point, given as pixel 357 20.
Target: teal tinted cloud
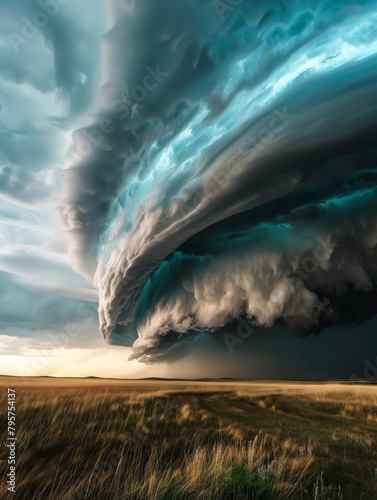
pixel 204 153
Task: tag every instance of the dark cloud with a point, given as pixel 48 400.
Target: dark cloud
pixel 227 145
pixel 226 169
pixel 345 352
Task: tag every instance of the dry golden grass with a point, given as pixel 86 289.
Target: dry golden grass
pixel 109 439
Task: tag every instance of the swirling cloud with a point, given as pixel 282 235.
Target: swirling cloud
pixel 230 170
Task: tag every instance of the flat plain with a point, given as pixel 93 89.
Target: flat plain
pixel 167 439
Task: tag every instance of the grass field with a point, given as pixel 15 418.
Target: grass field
pixel 109 439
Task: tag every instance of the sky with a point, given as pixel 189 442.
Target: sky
pixel 188 188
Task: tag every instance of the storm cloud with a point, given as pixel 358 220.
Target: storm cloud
pixel 230 171
pixel 207 163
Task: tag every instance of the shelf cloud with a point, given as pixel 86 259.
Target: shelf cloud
pixel 230 171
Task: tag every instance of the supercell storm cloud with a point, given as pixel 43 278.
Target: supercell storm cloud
pixel 230 170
